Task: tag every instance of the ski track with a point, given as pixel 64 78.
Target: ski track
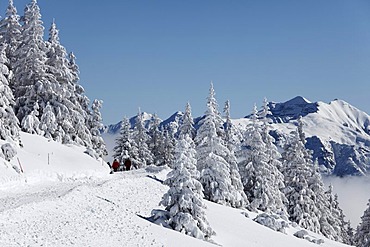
pixel 89 213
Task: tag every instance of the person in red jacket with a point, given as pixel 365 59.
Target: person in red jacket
pixel 115 165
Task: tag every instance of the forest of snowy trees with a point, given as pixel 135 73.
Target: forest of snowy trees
pixel 241 169
pixel 40 93
pixel 40 89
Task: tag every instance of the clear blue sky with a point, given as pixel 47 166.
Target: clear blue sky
pixel 158 55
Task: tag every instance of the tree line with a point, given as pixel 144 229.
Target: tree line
pixel 244 168
pixel 40 91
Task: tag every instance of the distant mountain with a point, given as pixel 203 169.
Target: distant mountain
pixel 337 133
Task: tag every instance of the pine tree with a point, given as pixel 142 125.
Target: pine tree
pixel 141 138
pixel 31 123
pixel 187 123
pixel 8 121
pixel 34 83
pixel 124 144
pixel 10 33
pixel 183 201
pixel 98 144
pixel 48 122
pixel 232 140
pixel 156 141
pixel 301 205
pixel 168 148
pixel 260 176
pixel 211 154
pixel 362 236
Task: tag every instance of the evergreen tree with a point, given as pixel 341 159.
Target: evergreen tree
pixel 8 121
pixel 33 82
pixel 168 148
pixel 232 135
pixel 211 154
pixel 156 141
pixel 187 123
pixel 124 144
pixel 232 140
pixel 10 33
pixel 261 179
pixel 141 138
pixel 48 122
pixel 31 123
pixel 362 236
pixel 98 144
pixel 183 201
pixel 301 205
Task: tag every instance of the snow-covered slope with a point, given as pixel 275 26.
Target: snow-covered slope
pixel 42 159
pixel 111 211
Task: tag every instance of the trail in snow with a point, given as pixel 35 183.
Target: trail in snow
pixel 81 213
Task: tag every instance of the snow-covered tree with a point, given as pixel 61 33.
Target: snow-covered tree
pixel 31 123
pixel 48 122
pixel 156 141
pixel 168 147
pixel 333 224
pixel 362 236
pixel 124 144
pixel 33 82
pixel 184 199
pixel 96 125
pixel 8 121
pixel 141 138
pixel 211 154
pixel 10 33
pixel 232 135
pixel 260 176
pixel 187 123
pixel 301 205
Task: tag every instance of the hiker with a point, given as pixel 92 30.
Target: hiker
pixel 115 165
pixel 127 164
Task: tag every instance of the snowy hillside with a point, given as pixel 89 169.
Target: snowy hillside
pixel 111 211
pixel 46 160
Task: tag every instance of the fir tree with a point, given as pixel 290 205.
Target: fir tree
pixel 211 154
pixel 169 142
pixel 124 144
pixel 260 176
pixel 96 125
pixel 31 123
pixel 183 201
pixel 10 33
pixel 156 141
pixel 187 123
pixel 141 138
pixel 8 121
pixel 301 205
pixel 362 236
pixel 33 82
pixel 48 122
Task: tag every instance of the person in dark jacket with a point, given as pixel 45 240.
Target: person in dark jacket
pixel 115 165
pixel 127 164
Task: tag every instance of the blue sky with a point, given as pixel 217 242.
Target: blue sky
pixel 158 55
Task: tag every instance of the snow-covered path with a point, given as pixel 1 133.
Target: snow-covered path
pixel 84 213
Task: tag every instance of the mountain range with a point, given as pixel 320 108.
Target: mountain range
pixel 337 133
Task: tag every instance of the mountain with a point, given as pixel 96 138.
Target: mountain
pixel 337 133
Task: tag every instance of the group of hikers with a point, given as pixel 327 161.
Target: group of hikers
pixel 116 165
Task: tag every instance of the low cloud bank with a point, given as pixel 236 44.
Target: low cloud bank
pixel 353 195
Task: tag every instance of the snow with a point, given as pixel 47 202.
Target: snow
pixel 74 201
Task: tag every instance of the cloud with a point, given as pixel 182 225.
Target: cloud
pixel 353 195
